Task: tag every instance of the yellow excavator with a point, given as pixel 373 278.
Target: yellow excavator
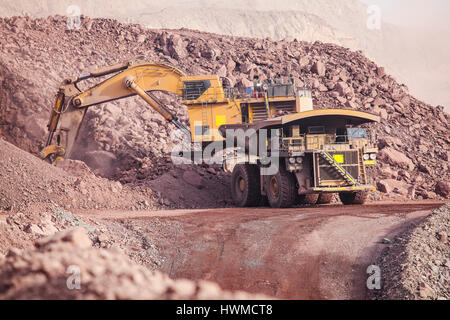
pixel 318 152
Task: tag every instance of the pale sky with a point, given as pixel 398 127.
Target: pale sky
pixel 415 13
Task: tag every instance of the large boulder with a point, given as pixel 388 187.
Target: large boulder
pixel 246 67
pixel 319 68
pixel 341 87
pixel 443 189
pixel 396 158
pixel 222 71
pixel 392 185
pixel 177 47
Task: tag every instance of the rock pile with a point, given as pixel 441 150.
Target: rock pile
pixel 65 266
pixel 21 230
pixel 417 264
pixel 36 54
pixel 30 184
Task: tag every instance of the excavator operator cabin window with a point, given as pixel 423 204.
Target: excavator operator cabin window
pixel 194 89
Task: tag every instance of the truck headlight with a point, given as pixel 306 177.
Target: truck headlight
pixel 299 160
pixel 373 156
pixel 366 156
pixel 292 160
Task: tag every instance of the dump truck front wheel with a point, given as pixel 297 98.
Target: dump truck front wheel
pixel 281 189
pixel 245 186
pixel 349 198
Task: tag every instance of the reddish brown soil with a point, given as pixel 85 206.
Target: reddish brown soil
pixel 300 253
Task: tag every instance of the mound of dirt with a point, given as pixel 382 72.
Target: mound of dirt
pixel 28 183
pixel 65 266
pixel 185 185
pixel 37 53
pixel 72 185
pixel 417 265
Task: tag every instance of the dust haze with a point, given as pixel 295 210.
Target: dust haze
pixel 416 46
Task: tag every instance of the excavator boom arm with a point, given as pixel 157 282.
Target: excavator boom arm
pixel 130 79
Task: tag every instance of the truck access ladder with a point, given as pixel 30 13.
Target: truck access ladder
pixel 338 168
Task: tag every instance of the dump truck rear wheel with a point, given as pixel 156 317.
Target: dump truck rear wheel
pixel 281 189
pixel 245 186
pixel 311 198
pixel 349 198
pixel 325 198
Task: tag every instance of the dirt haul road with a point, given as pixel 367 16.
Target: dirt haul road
pixel 300 253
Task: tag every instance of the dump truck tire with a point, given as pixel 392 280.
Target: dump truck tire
pixel 311 199
pixel 281 189
pixel 246 186
pixel 325 198
pixel 350 198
